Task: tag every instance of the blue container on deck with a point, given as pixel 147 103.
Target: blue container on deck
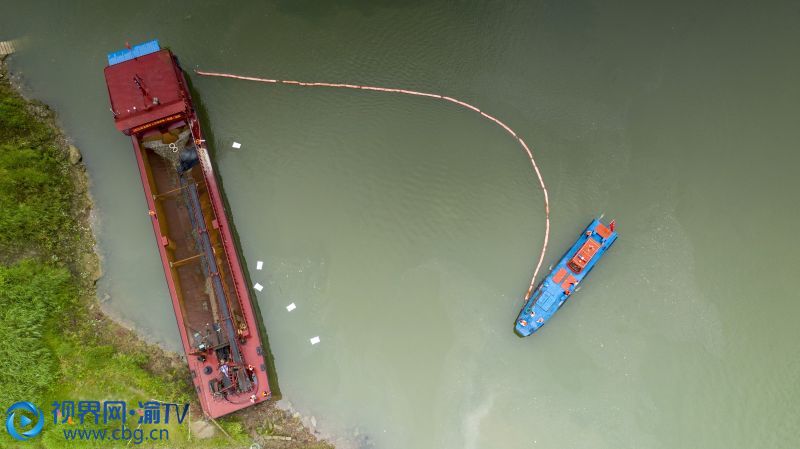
pixel 126 54
pixel 559 285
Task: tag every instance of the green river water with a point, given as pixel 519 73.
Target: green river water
pixel 405 229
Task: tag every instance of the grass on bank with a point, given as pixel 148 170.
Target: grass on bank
pixel 54 343
pixel 36 192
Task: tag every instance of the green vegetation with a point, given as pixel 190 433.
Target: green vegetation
pixel 32 295
pixel 56 345
pixel 36 193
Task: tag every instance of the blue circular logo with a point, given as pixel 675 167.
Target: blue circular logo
pixel 24 421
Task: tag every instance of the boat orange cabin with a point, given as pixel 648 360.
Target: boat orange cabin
pixel 583 256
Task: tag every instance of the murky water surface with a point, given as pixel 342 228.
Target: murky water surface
pixel 405 229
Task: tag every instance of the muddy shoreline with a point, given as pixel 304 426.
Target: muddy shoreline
pixel 267 425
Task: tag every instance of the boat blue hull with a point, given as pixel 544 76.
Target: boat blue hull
pixel 560 283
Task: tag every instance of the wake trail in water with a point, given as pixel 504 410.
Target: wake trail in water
pixel 462 104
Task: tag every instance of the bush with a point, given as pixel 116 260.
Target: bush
pixel 32 298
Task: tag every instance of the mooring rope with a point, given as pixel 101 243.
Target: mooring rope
pixel 439 97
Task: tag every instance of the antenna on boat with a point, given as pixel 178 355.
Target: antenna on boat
pixel 148 100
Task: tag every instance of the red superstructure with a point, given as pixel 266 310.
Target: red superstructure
pixel 583 256
pixel 151 103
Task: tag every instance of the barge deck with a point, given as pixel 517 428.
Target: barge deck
pixel 212 303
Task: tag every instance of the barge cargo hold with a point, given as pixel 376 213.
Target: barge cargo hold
pixel 151 103
pixel 565 277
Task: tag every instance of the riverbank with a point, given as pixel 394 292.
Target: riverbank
pixel 58 344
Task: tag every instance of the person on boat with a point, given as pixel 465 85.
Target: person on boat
pixel 251 372
pixel 223 368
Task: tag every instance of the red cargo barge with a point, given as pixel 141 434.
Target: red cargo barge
pixel 151 103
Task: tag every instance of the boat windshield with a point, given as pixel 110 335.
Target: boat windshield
pixel 574 266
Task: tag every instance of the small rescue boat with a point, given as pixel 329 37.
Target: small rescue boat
pixel 565 277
